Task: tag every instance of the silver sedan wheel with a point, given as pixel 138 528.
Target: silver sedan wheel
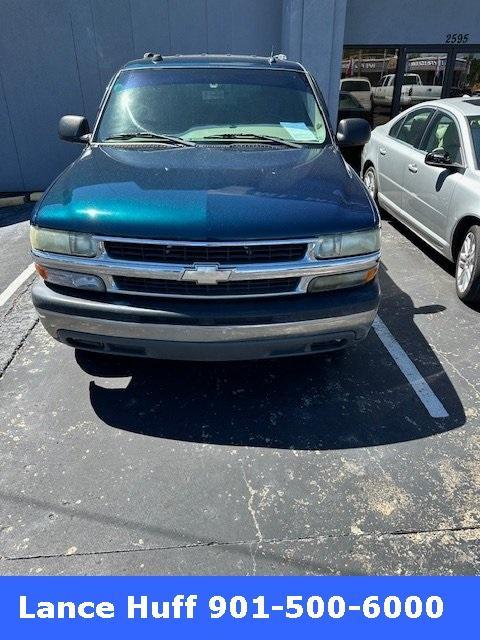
pixel 466 262
pixel 370 182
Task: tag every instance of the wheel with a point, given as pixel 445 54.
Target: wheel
pixel 467 275
pixel 370 181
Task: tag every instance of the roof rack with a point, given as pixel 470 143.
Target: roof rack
pixel 275 57
pixel 154 57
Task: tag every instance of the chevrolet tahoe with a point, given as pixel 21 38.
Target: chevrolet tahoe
pixel 209 216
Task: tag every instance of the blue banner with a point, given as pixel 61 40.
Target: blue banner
pixel 234 607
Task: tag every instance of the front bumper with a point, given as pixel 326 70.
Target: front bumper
pixel 193 330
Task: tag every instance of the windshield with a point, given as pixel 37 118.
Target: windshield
pixel 195 104
pixel 474 123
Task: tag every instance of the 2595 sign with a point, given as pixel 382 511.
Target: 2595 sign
pixel 457 38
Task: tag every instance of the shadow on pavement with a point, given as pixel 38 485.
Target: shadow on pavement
pixel 358 398
pixel 14 215
pixel 425 248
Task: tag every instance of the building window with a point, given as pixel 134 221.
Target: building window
pixel 466 76
pixel 423 79
pixel 364 72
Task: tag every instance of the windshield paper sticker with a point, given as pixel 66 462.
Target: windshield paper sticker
pixel 298 130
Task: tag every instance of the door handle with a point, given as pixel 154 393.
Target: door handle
pixel 413 168
pixel 383 151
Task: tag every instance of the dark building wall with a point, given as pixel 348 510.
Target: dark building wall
pixel 410 21
pixel 56 56
pixel 313 33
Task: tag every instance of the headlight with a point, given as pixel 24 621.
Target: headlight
pixel 66 242
pixel 347 244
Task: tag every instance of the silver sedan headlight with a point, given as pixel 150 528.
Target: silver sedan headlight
pixel 65 242
pixel 342 245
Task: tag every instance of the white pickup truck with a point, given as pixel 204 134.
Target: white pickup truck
pixel 413 91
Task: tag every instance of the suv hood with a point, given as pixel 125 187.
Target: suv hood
pixel 207 193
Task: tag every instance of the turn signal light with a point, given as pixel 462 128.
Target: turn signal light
pixel 71 279
pixel 342 280
pixel 371 273
pixel 42 271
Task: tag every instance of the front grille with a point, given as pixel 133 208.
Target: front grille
pixel 272 286
pixel 189 254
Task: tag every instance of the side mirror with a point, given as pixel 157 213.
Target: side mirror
pixel 439 158
pixel 353 132
pixel 74 129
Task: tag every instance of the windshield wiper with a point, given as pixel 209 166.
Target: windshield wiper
pixel 152 136
pixel 254 136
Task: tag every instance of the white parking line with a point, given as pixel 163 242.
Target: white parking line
pixel 432 404
pixel 13 286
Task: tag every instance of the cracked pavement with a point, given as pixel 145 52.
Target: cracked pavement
pixel 327 465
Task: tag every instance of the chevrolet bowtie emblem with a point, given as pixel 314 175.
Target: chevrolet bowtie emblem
pixel 206 274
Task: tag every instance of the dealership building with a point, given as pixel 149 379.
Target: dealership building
pixel 56 56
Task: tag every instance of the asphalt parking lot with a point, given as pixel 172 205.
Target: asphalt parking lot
pixel 328 464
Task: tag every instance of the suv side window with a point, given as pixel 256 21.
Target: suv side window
pixel 413 127
pixel 444 135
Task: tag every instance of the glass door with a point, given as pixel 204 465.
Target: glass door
pixel 424 77
pixel 466 75
pixel 366 85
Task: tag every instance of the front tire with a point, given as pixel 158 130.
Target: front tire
pixel 467 273
pixel 370 182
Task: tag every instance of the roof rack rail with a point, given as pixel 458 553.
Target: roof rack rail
pixel 155 57
pixel 275 57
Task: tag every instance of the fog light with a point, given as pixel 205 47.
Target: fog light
pixel 342 280
pixel 71 279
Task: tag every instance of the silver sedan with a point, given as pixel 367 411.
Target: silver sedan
pixel 423 167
